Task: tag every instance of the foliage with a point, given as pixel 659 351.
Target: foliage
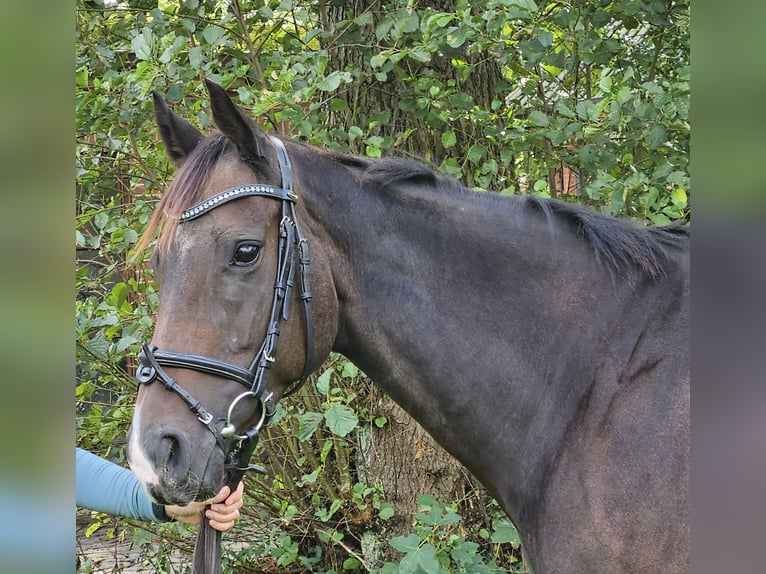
pixel 501 94
pixel 438 544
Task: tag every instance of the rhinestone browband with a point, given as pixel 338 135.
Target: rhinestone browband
pixel 235 193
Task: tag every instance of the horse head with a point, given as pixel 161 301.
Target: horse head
pixel 232 267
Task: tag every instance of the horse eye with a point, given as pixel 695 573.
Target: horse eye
pixel 246 254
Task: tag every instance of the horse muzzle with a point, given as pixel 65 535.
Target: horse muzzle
pixel 175 466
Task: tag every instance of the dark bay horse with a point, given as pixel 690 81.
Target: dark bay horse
pixel 544 345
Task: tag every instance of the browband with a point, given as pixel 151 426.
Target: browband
pixel 235 193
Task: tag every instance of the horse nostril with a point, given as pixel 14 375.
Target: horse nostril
pixel 173 456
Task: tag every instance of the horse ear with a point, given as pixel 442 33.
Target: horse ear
pixel 236 125
pixel 178 135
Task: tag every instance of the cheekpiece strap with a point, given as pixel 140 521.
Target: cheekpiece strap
pixel 235 193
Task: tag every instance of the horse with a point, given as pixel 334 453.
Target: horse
pixel 542 344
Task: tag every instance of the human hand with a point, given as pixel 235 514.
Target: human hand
pixel 223 511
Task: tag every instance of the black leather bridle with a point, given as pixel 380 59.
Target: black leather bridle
pixel 293 253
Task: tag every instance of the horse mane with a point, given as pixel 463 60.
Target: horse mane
pixel 620 245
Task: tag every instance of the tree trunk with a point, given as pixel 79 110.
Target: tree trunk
pixel 408 463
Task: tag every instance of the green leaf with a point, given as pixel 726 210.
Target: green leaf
pixel 129 235
pixel 679 198
pixel 92 528
pixel 351 564
pixel 331 82
pixel 81 78
pixel 308 424
pixel 174 93
pixel 476 152
pixel 125 343
pixel 405 543
pixel 355 132
pixel 449 139
pixel 377 60
pixel 659 218
pixel 386 511
pixel 195 57
pixel 656 137
pixel 340 419
pixel 323 382
pixel 372 151
pixel 563 110
pixel 213 34
pixel 350 370
pixel 538 118
pixel 545 39
pixel 504 532
pixel 100 220
pixel 118 295
pixel 420 56
pixel 420 561
pixel 142 44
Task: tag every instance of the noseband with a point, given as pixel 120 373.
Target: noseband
pixel 293 252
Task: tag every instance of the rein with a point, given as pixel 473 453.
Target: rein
pixel 293 255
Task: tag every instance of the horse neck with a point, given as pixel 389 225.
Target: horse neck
pixel 471 315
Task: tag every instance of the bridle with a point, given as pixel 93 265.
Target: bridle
pixel 293 252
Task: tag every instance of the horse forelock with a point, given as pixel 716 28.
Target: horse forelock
pixel 186 189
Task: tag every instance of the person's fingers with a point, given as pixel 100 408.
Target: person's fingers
pixel 222 520
pixel 221 496
pixel 237 494
pixel 228 508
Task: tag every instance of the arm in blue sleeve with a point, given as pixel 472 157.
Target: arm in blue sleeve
pixel 103 486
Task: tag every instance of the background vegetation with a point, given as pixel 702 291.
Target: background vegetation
pixel 586 101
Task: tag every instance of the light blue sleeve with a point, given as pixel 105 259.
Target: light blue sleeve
pixel 103 486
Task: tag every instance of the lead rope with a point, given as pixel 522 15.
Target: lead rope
pixel 207 545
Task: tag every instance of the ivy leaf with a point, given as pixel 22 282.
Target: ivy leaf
pixel 340 419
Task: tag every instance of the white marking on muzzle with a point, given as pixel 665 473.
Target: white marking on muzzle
pixel 139 463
